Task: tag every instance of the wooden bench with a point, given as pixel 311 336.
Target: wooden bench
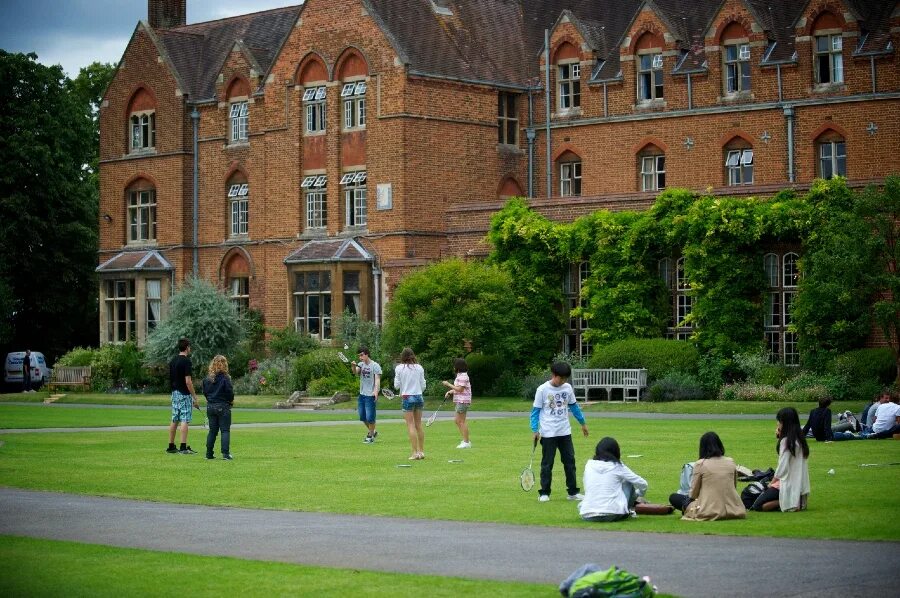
pixel 71 376
pixel 630 381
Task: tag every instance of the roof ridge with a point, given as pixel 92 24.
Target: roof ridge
pixel 233 17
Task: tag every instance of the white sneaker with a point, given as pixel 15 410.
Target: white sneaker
pixel 544 498
pixel 464 444
pixel 578 496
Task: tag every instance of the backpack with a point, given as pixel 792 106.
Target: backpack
pixel 684 483
pixel 613 582
pixel 751 493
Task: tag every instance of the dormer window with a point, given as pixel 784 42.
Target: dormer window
pixel 238 117
pixel 569 85
pixel 737 68
pixel 829 59
pixel 650 77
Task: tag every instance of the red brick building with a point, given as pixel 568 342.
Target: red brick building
pixel 341 143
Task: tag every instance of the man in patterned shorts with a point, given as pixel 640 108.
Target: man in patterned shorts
pixel 184 399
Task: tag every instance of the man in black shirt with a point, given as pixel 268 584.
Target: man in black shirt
pixel 184 399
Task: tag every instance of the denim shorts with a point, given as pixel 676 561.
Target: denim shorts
pixel 182 407
pixel 412 402
pixel 462 407
pixel 365 405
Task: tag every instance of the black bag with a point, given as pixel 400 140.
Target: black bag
pixel 759 476
pixel 752 492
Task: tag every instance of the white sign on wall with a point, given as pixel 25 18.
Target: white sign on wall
pixel 385 200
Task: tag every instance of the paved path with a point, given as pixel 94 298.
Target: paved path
pixel 679 564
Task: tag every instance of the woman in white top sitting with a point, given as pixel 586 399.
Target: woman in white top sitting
pixel 611 489
pixel 409 379
pixel 789 490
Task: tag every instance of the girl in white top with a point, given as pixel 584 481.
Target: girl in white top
pixel 409 379
pixel 790 486
pixel 611 489
pixel 461 389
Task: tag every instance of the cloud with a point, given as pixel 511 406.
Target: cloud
pixel 74 52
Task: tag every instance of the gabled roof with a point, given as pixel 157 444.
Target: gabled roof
pixel 346 250
pixel 134 261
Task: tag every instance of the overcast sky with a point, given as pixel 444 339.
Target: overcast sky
pixel 75 33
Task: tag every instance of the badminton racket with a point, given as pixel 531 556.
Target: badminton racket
pixel 205 418
pixel 527 477
pixel 434 415
pixel 343 357
pixel 387 393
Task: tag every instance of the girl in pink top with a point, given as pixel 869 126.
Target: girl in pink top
pixel 461 389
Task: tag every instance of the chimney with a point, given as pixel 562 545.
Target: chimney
pixel 164 14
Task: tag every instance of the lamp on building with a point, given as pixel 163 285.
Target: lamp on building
pixel 107 217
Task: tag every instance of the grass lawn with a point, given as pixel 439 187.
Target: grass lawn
pixel 31 567
pixel 329 469
pixel 100 398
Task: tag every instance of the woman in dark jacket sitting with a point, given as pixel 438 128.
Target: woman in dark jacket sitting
pixel 219 399
pixel 819 422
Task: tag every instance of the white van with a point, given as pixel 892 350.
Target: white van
pixel 40 373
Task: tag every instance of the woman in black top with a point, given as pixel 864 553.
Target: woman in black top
pixel 819 422
pixel 219 399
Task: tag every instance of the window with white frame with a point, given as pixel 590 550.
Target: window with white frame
pixel 653 172
pixel 314 188
pixel 739 166
pixel 121 325
pixel 574 340
pixel 829 59
pixel 239 293
pixel 507 119
pixel 143 130
pixel 570 179
pixel 312 303
pixel 239 203
pixel 684 302
pixel 650 77
pixel 154 304
pixel 353 96
pixel 355 195
pixel 142 216
pixel 314 106
pixel 737 68
pixel 239 117
pixel 832 159
pixel 568 80
pixel 782 276
pixel 352 296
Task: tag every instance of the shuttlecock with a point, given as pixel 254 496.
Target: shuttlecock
pixel 346 346
pixel 831 471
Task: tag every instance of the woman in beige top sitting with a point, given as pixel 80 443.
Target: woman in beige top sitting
pixel 713 485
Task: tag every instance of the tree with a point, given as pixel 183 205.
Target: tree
pixel 441 309
pixel 202 314
pixel 48 210
pixel 89 87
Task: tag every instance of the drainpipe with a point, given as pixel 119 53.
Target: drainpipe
pixel 789 121
pixel 778 72
pixel 530 135
pixel 195 117
pixel 874 76
pixel 690 93
pixel 547 105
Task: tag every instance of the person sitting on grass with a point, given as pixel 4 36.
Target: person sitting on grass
pixel 713 485
pixel 819 423
pixel 789 490
pixel 887 417
pixel 611 489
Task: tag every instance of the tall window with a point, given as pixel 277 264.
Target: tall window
pixel 312 303
pixel 684 302
pixel 507 119
pixel 239 202
pixel 782 276
pixel 239 293
pixel 143 130
pixel 142 215
pixel 355 198
pixel 120 313
pixel 351 292
pixel 314 189
pixel 353 96
pixel 650 77
pixel 568 78
pixel 239 120
pixel 737 68
pixel 154 304
pixel 314 105
pixel 829 59
pixel 653 172
pixel 739 166
pixel 832 158
pixel 574 340
pixel 570 179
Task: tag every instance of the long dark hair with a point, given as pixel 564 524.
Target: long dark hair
pixel 407 356
pixel 711 446
pixel 791 432
pixel 608 450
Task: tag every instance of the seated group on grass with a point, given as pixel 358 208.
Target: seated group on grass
pixel 612 490
pixel 880 419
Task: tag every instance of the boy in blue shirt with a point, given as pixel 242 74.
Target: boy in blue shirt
pixel 550 422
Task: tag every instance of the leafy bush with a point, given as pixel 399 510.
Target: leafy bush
pixel 658 356
pixel 774 374
pixel 676 386
pixel 484 371
pixel 530 385
pixel 287 342
pixel 509 384
pixel 747 391
pixel 116 366
pixel 334 382
pixel 78 357
pixel 808 384
pixel 866 364
pixel 199 312
pixel 321 363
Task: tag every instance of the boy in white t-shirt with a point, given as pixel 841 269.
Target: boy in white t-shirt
pixel 553 401
pixel 887 417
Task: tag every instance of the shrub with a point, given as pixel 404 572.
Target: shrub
pixel 287 342
pixel 775 374
pixel 811 384
pixel 321 363
pixel 747 391
pixel 866 364
pixel 274 375
pixel 77 357
pixel 484 371
pixel 509 384
pixel 676 386
pixel 334 382
pixel 658 356
pixel 530 385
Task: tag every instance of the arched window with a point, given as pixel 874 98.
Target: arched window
pixel 831 155
pixel 141 121
pixel 238 110
pixel 782 281
pixel 313 76
pixel 828 50
pixel 649 62
pixel 237 277
pixel 140 200
pixel 353 72
pixel 238 206
pixel 568 78
pixel 652 162
pixel 738 162
pixel 735 45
